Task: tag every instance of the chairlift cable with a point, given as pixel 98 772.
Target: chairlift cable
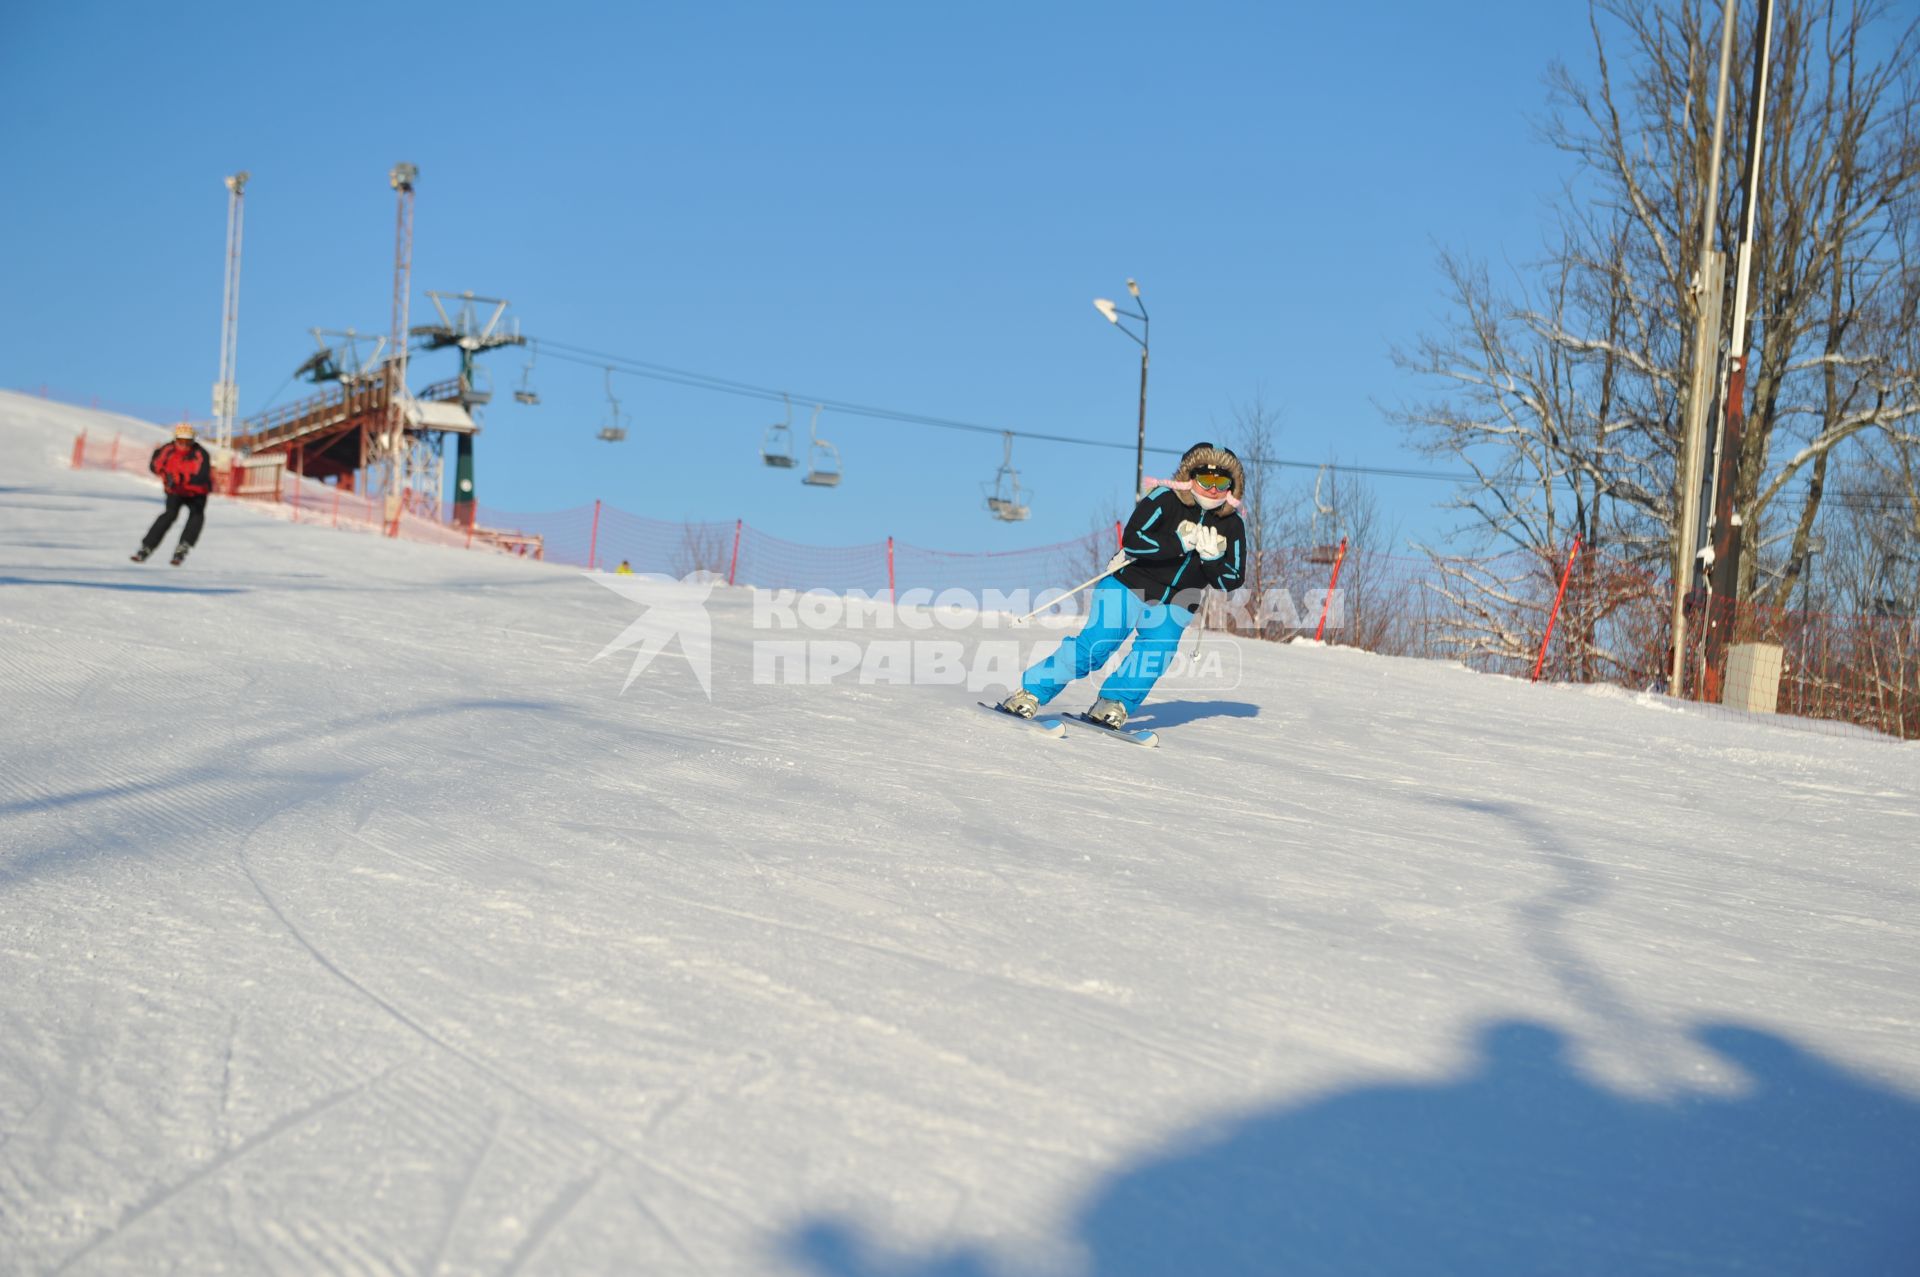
pixel 726 385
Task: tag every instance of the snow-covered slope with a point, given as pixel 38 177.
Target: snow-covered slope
pixel 352 919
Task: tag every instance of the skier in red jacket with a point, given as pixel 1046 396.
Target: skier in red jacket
pixel 186 472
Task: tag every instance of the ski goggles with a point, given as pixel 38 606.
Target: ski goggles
pixel 1214 482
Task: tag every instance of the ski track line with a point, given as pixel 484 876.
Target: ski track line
pixel 766 987
pixel 550 1219
pixel 464 1192
pixel 550 1108
pixel 1065 1000
pixel 220 1161
pixel 668 1231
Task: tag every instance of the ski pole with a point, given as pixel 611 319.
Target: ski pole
pixel 1090 581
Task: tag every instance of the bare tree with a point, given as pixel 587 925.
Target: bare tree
pixel 704 547
pixel 1255 440
pixel 1564 393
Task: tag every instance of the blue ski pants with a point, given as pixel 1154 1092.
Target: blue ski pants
pixel 1114 613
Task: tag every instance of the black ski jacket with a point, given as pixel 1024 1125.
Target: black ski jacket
pixel 1164 571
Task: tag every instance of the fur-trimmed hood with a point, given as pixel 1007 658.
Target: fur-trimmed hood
pixel 1205 455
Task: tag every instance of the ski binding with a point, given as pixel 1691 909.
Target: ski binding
pixel 1048 724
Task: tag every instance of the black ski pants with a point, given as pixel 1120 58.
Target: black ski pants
pixel 196 508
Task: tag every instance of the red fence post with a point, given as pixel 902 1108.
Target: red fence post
pixel 80 450
pixel 113 454
pixel 1119 534
pixel 893 595
pixel 733 564
pixel 1332 585
pixel 593 537
pixel 1555 614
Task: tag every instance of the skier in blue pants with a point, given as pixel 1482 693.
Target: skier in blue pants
pixel 1185 535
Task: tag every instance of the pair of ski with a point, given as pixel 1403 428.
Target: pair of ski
pixel 1056 725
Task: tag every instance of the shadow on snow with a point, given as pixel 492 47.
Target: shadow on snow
pixel 1520 1167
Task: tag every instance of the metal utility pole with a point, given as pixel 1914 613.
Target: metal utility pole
pixel 1708 289
pixel 401 178
pixel 226 394
pixel 1113 313
pixel 1724 574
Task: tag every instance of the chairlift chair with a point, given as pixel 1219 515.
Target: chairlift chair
pixel 525 392
pixel 616 428
pixel 776 448
pixel 1322 551
pixel 1006 501
pixel 478 387
pixel 823 459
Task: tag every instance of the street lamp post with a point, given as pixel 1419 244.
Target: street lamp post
pixel 1113 313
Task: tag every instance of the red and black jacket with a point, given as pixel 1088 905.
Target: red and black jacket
pixel 184 468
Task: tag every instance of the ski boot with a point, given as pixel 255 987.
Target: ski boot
pixel 1108 713
pixel 140 555
pixel 1022 703
pixel 180 554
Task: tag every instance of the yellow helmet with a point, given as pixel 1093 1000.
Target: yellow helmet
pixel 183 431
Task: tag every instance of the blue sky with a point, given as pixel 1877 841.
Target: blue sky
pixel 903 205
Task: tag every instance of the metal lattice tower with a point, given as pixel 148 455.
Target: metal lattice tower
pixel 226 393
pixel 396 455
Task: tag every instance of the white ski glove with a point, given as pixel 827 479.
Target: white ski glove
pixel 1203 541
pixel 1118 561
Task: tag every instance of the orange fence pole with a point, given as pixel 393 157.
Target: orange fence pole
pixel 1332 585
pixel 80 450
pixel 733 564
pixel 893 595
pixel 593 537
pixel 1555 614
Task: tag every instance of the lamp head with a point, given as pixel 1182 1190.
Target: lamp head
pixel 1107 308
pixel 1133 288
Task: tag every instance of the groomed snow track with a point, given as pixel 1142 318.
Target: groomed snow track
pixel 353 920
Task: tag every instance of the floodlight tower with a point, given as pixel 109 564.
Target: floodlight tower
pixel 225 393
pixel 401 177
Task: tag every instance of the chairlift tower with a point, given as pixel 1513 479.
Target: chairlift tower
pixel 470 332
pixel 226 393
